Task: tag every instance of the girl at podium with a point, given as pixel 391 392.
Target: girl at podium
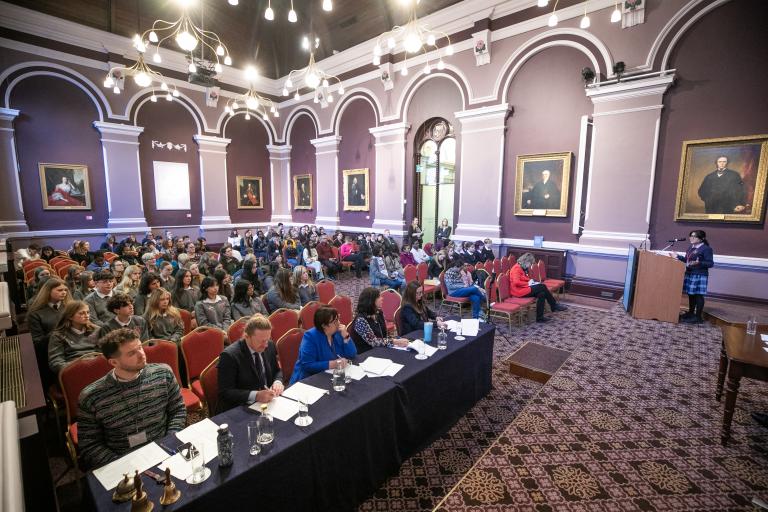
pixel 698 259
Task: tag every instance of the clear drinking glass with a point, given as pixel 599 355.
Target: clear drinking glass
pixel 253 437
pixel 266 426
pixel 442 340
pixel 303 419
pixel 338 379
pixel 200 472
pixel 752 325
pixel 421 349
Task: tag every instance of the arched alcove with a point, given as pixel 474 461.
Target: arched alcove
pixel 357 151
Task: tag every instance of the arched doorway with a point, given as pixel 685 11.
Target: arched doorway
pixel 435 177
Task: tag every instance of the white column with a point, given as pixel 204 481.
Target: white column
pixel 213 179
pixel 481 169
pixel 280 178
pixel 390 176
pixel 327 172
pixel 122 171
pixel 12 207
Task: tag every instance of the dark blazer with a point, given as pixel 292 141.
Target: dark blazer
pixel 412 321
pixel 239 374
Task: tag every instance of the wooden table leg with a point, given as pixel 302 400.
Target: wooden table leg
pixel 721 374
pixel 731 392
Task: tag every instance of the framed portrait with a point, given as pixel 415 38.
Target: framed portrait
pixel 542 183
pixel 65 187
pixel 723 179
pixel 249 193
pixel 356 190
pixel 302 192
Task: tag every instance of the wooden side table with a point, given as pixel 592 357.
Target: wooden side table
pixel 742 355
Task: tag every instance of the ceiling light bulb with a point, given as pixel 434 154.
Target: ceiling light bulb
pixel 192 68
pixel 317 42
pixel 285 91
pixel 277 114
pixel 584 22
pixel 315 100
pixel 186 41
pixel 142 79
pixel 139 44
pixel 542 3
pixel 234 2
pixel 235 106
pixel 377 49
pixel 616 15
pixel 153 37
pixel 427 69
pixel 164 86
pixel 251 103
pixel 312 80
pixel 327 5
pixel 168 97
pixel 449 50
pixel 552 21
pixel 272 109
pixel 341 90
pixel 108 82
pixel 217 68
pixel 227 109
pixel 156 58
pixel 247 116
pixel 305 43
pixel 296 96
pixel 250 73
pixel 265 117
pixel 289 84
pixel 431 39
pixel 390 42
pixel 116 90
pixel 176 93
pixel 228 60
pixel 153 98
pixel 330 98
pixel 292 16
pixel 376 60
pixel 440 64
pixel 220 51
pixel 269 14
pixel 325 82
pixel 404 71
pixel 412 43
pixel 231 112
pixel 186 3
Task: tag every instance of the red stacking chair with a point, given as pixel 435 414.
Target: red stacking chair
pixel 164 351
pixel 411 273
pixel 236 330
pixel 307 314
pixel 428 249
pixel 512 260
pixel 186 317
pixel 392 301
pixel 283 320
pixel 488 266
pixel 422 271
pixel 535 272
pixel 344 264
pixel 199 348
pixel 554 285
pixel 33 264
pixel 498 306
pixel 505 265
pixel 326 291
pixel 399 321
pixel 497 266
pixel 209 380
pixel 343 305
pixel 288 351
pixel 109 256
pixel 451 301
pixel 504 296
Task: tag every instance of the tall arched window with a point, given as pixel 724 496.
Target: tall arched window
pixel 435 174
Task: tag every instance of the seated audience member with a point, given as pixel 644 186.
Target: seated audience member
pixel 166 275
pixel 438 264
pixel 470 254
pixel 224 280
pixel 47 253
pixel 235 240
pixel 415 312
pixel 117 267
pixel 98 298
pixel 41 275
pixel 311 259
pixel 149 262
pixel 130 282
pixel 325 256
pixel 458 282
pixel 74 271
pixel 244 304
pixel 75 335
pixel 164 321
pixel 260 245
pixel 184 295
pixel 247 241
pixel 212 310
pixel 443 232
pixel 44 314
pixel 379 274
pixel 291 252
pixel 304 285
pixel 325 346
pixel 197 277
pixel 252 273
pixel 486 253
pixel 121 305
pixel 80 252
pixel 22 256
pixel 191 252
pixel 418 253
pixel 109 244
pixel 132 405
pixel 364 246
pixel 98 263
pixel 149 283
pixel 406 256
pixel 456 251
pixel 208 264
pixel 520 285
pixel 85 286
pixel 228 260
pixel 349 252
pixel 282 294
pixel 338 239
pixel 369 329
pixel 392 262
pixel 248 369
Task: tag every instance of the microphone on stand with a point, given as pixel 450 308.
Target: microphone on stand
pixel 677 240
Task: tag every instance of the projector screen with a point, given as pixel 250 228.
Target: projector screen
pixel 171 186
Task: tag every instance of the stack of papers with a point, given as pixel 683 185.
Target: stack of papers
pixel 304 392
pixel 203 435
pixel 470 327
pixel 139 460
pixel 378 367
pixel 280 408
pixel 429 350
pixel 352 371
pixel 453 325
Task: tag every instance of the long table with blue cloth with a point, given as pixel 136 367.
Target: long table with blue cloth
pixel 359 437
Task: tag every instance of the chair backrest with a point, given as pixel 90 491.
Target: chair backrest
pixel 64 262
pixel 502 284
pixel 57 259
pixel 164 351
pixel 235 331
pixel 288 351
pixel 335 252
pixel 398 321
pixel 422 270
pixel 343 305
pixel 512 260
pixel 109 256
pixel 392 301
pixel 542 271
pixel 283 320
pixel 326 291
pixel 186 317
pixel 199 348
pixel 411 273
pixel 428 248
pixel 443 288
pixel 505 266
pixel 490 290
pixel 74 377
pixel 32 264
pixel 64 270
pixel 209 380
pixel 535 271
pixel 497 266
pixel 478 266
pixel 307 314
pixel 265 302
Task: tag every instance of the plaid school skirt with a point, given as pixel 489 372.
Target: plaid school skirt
pixel 695 284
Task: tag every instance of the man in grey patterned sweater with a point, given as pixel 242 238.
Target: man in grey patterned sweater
pixel 132 405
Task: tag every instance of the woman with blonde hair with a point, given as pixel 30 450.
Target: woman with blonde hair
pixel 129 284
pixel 75 335
pixel 164 321
pixel 44 314
pixel 304 285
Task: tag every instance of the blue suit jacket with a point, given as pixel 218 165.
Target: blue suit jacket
pixel 314 353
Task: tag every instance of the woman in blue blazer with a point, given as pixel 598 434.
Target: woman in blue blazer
pixel 325 346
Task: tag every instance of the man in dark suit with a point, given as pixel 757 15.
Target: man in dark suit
pixel 723 189
pixel 304 199
pixel 248 370
pixel 545 194
pixel 356 195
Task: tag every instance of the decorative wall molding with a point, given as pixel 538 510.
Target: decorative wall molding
pixel 8 114
pixel 214 142
pixel 492 112
pixel 107 128
pixel 170 146
pixel 329 142
pixel 481 46
pixel 388 130
pixel 631 88
pixel 615 235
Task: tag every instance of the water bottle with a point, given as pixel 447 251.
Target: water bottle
pixel 224 442
pixel 752 325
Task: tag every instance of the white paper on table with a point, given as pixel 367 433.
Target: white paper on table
pixel 764 337
pixel 280 408
pixel 375 365
pixel 352 371
pixel 470 327
pixel 453 325
pixel 428 349
pixel 304 392
pixel 138 460
pixel 392 370
pixel 202 434
pixel 180 467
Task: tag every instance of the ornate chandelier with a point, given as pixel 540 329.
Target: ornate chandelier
pixel 269 13
pixel 313 77
pixel 143 75
pixel 585 22
pixel 251 101
pixel 413 37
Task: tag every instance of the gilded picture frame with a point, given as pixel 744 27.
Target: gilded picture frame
pixel 542 184
pixel 65 186
pixel 250 194
pixel 302 192
pixel 356 190
pixel 723 180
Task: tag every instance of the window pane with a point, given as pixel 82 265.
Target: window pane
pixel 428 164
pixel 448 161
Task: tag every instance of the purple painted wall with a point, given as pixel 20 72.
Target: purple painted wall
pixel 56 126
pixel 303 162
pixel 437 97
pixel 247 155
pixel 548 99
pixel 168 122
pixel 356 151
pixel 715 95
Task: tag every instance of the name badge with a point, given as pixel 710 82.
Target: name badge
pixel 137 439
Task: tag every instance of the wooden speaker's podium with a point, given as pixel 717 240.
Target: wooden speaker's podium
pixel 658 286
